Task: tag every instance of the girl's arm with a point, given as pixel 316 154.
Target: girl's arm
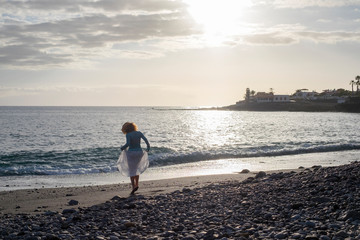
pixel 146 141
pixel 127 143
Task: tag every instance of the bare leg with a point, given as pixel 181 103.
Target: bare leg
pixel 137 181
pixel 133 182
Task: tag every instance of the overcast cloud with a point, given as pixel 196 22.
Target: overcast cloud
pixel 47 33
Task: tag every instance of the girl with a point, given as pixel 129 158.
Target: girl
pixel 134 161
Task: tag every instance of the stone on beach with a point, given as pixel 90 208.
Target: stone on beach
pixel 307 204
pixel 73 202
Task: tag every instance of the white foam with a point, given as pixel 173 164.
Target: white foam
pixel 221 166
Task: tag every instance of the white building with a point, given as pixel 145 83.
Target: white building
pixel 305 95
pixel 261 97
pixel 281 98
pixel 264 97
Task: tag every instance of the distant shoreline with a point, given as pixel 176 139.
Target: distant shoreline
pixel 305 106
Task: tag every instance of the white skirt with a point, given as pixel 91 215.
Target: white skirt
pixel 132 163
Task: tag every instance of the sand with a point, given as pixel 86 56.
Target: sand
pixel 35 201
pixel 319 203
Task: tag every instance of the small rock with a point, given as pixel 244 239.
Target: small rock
pixel 341 234
pixel 114 238
pixel 296 236
pixel 281 235
pixel 260 174
pixel 68 211
pixel 190 237
pixel 354 214
pixel 117 198
pixel 297 205
pixel 130 224
pixel 324 237
pixel 73 202
pixel 310 224
pixel 178 228
pixel 311 237
pixel 245 171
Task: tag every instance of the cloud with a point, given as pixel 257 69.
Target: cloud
pixel 292 37
pixel 324 21
pixel 73 30
pixel 71 33
pixel 330 37
pixel 274 38
pixel 28 91
pixel 307 3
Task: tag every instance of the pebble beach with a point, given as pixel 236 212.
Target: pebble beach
pixel 312 203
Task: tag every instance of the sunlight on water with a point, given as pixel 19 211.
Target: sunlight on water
pixel 221 166
pixel 86 140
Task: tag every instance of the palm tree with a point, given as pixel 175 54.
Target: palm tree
pixel 352 83
pixel 357 78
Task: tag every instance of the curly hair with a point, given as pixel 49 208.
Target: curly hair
pixel 129 127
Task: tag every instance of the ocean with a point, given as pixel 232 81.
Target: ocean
pixel 77 146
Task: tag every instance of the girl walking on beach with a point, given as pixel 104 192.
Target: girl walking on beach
pixel 133 160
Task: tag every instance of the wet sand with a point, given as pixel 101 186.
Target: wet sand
pixel 34 201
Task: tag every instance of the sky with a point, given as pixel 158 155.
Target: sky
pixel 173 53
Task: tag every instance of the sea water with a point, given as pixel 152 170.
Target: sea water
pixel 76 146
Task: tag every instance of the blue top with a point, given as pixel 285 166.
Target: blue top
pixel 133 141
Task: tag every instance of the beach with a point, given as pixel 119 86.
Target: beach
pixel 309 203
pixel 60 180
pixel 40 200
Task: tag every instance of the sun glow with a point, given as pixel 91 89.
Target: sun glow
pixel 219 18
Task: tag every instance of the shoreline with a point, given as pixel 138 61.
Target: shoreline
pixel 41 200
pixel 305 106
pixel 315 203
pixel 191 169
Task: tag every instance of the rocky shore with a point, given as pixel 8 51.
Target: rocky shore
pixel 316 203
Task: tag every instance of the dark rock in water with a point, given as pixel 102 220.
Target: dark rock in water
pixel 73 202
pixel 245 171
pixel 260 174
